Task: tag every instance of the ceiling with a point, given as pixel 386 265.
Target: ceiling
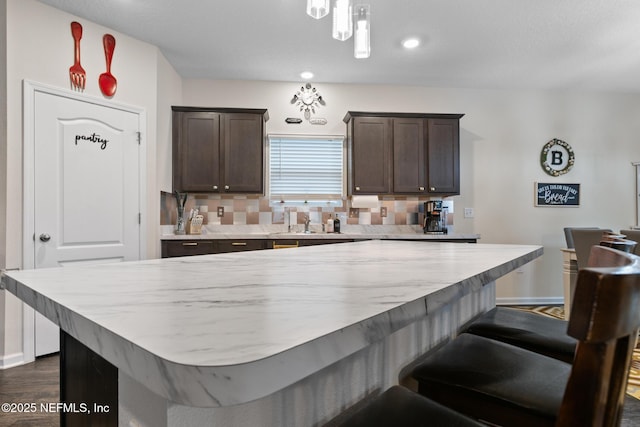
pixel 490 44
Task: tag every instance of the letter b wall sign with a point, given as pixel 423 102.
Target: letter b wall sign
pixel 556 157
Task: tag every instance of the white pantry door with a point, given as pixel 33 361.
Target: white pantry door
pixel 86 189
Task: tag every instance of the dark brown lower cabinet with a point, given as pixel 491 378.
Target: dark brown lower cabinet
pixel 176 248
pixel 88 386
pixel 226 246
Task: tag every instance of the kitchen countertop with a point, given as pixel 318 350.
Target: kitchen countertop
pixel 327 236
pixel 218 330
pixel 349 232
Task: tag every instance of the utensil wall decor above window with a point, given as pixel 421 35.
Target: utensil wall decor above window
pixel 77 75
pixel 107 81
pixel 308 99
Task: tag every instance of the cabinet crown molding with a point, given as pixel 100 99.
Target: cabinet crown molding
pixel 351 114
pixel 183 109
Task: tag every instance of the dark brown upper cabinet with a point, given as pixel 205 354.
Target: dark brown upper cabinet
pixel 408 156
pixel 369 155
pixel 218 150
pixel 403 153
pixel 443 156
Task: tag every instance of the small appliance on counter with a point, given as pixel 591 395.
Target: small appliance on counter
pixel 435 217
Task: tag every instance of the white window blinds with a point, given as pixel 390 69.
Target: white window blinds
pixel 305 167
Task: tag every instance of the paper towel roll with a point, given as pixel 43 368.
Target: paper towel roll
pixel 364 201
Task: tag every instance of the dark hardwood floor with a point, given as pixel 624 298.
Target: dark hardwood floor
pixel 34 383
pixel 38 383
pixel 631 412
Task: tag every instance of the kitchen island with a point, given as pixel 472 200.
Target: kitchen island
pixel 266 338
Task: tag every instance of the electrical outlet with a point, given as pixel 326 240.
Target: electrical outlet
pixel 220 211
pixel 468 212
pixel 383 212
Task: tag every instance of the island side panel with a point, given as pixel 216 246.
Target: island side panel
pixel 324 395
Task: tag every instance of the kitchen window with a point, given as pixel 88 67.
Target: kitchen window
pixel 306 168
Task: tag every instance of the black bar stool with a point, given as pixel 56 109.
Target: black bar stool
pixel 400 407
pixel 510 386
pixel 533 332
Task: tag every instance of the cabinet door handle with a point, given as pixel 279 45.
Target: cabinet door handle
pixel 357 188
pixel 215 187
pixel 189 244
pixel 421 188
pixel 226 187
pixel 239 244
pixel 432 188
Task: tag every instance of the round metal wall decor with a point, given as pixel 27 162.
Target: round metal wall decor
pixel 557 157
pixel 308 99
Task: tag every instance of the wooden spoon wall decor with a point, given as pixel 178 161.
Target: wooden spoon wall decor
pixel 107 81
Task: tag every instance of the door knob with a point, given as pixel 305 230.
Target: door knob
pixel 44 237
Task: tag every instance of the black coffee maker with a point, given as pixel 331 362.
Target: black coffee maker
pixel 435 218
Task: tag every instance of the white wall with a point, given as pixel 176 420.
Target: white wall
pixel 3 161
pixel 502 134
pixel 40 48
pixel 169 93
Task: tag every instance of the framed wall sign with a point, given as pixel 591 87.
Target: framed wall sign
pixel 552 194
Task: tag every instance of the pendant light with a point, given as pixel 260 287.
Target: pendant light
pixel 361 42
pixel 318 8
pixel 342 20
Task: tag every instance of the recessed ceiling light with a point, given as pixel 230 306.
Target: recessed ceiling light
pixel 306 75
pixel 411 43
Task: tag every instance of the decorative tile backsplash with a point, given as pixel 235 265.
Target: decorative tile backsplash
pixel 247 210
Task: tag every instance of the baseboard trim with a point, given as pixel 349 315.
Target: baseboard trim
pixel 11 360
pixel 530 301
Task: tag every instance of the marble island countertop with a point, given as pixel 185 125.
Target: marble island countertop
pixel 218 330
pixel 349 232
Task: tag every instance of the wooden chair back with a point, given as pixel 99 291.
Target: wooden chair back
pixel 605 319
pixel 635 236
pixel 568 234
pixel 599 258
pixel 583 240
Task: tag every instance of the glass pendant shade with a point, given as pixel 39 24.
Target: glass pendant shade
pixel 342 22
pixel 318 8
pixel 361 43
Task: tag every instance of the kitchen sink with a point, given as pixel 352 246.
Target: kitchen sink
pixel 294 233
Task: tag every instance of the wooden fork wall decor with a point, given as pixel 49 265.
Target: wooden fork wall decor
pixel 77 74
